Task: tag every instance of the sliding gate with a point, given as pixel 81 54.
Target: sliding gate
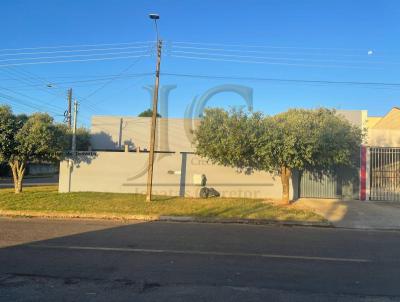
pixel 385 173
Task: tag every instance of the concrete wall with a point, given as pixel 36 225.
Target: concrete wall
pixel 111 133
pixel 173 134
pixel 174 174
pixel 356 117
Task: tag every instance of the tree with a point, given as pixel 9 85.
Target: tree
pixel 82 138
pixel 24 139
pixel 148 113
pixel 8 127
pixel 316 140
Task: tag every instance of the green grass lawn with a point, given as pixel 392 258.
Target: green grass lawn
pixel 48 200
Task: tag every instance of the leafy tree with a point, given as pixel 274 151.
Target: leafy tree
pixel 148 113
pixel 317 140
pixel 26 139
pixel 8 127
pixel 82 138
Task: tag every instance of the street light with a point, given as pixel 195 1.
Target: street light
pixel 154 17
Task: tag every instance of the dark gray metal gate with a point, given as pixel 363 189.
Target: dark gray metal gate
pixel 344 184
pixel 324 186
pixel 385 173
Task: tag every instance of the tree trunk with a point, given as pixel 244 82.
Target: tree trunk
pixel 18 172
pixel 285 177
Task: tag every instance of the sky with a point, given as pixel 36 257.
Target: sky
pixel 207 45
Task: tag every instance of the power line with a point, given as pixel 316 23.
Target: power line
pixel 46 82
pixel 266 62
pixel 127 76
pixel 24 74
pixel 77 45
pixel 229 50
pixel 13 104
pixel 203 76
pixel 112 79
pixel 24 102
pixel 76 55
pixel 276 58
pixel 83 76
pixel 75 50
pixel 29 97
pixel 266 46
pixel 72 61
pixel 32 105
pixel 29 77
pixel 122 89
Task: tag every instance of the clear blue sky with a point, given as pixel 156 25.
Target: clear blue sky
pixel 309 40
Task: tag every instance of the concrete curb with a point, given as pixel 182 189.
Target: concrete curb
pixel 54 215
pixel 244 221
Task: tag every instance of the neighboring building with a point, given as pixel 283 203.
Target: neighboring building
pixel 178 170
pixel 385 131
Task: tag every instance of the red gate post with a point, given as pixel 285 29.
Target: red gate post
pixel 364 173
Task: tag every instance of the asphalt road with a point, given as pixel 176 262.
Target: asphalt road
pixel 29 182
pixel 57 260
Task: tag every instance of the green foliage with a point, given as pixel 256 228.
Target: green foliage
pixel 301 139
pixel 38 139
pixel 148 113
pixel 230 138
pixel 9 126
pixel 26 139
pixel 298 139
pixel 82 138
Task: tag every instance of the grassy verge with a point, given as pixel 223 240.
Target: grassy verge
pixel 47 200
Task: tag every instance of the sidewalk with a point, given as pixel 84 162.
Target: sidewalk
pixel 355 214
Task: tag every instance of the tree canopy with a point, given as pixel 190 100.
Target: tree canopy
pixel 299 139
pixel 148 113
pixel 31 138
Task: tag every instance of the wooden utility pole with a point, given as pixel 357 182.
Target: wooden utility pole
pixel 153 124
pixel 74 128
pixel 69 108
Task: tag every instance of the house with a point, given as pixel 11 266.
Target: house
pixel 118 162
pixel 384 131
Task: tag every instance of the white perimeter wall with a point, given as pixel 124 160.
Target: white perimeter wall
pixel 174 174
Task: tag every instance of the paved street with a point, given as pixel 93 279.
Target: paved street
pixel 29 182
pixel 60 260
